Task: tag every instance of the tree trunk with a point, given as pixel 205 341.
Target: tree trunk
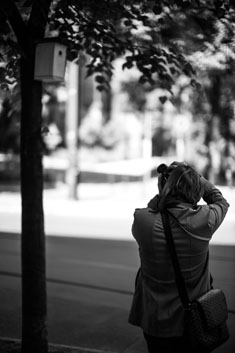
pixel 72 112
pixel 214 99
pixel 34 332
pixel 34 311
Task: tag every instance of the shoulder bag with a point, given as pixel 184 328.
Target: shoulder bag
pixel 205 317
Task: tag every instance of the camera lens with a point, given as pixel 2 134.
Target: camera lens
pixel 162 168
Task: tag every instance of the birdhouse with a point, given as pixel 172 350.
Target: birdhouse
pixel 50 62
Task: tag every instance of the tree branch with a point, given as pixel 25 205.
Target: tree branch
pixel 39 17
pixel 18 26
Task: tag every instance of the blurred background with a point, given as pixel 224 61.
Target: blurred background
pixel 122 134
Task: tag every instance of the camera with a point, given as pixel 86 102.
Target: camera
pixel 164 171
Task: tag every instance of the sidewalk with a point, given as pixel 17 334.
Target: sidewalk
pixel 100 203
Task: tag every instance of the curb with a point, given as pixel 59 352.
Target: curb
pixel 8 345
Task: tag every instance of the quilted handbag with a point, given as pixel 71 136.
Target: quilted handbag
pixel 205 321
pixel 205 318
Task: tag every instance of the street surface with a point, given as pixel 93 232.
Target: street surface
pixel 90 283
pixel 91 265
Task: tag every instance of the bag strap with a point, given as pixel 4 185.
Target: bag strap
pixel 175 262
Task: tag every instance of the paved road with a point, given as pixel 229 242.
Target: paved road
pixel 90 282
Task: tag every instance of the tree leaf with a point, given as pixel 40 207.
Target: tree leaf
pixel 99 79
pixel 163 99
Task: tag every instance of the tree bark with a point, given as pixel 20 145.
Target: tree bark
pixel 34 306
pixel 34 297
pixel 34 332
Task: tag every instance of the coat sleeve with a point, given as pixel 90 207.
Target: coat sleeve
pixel 217 204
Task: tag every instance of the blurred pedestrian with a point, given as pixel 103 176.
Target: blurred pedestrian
pixel 156 306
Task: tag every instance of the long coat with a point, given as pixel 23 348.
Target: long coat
pixel 156 306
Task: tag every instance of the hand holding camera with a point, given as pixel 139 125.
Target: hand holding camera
pixel 164 173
